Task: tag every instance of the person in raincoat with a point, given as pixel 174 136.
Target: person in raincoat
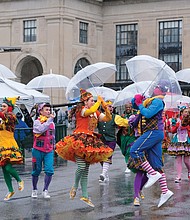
pixel 9 151
pixel 151 139
pixel 84 146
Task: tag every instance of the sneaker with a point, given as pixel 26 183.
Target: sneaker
pixel 127 170
pixel 8 196
pixel 103 178
pixel 152 179
pixel 34 193
pixel 177 180
pixel 141 195
pixel 72 193
pixel 21 185
pixel 136 201
pixel 87 201
pixel 164 197
pixel 46 195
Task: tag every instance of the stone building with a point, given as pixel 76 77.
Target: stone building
pixel 64 35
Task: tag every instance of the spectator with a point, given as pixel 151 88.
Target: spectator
pixel 20 134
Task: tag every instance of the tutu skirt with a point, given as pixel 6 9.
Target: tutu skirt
pixel 9 150
pixel 89 147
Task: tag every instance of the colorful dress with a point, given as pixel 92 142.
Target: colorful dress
pixel 9 150
pixel 180 144
pixel 84 142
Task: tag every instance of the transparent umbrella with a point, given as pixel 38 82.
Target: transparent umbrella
pixel 183 75
pixel 130 91
pixel 106 93
pixel 6 72
pixel 91 76
pixel 48 81
pixel 144 67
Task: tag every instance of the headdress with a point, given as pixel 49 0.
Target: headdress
pixel 84 95
pixel 108 102
pixel 10 102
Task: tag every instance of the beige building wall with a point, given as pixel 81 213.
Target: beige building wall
pixel 57 46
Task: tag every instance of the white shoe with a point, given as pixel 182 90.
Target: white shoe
pixel 34 194
pixel 46 195
pixel 127 170
pixel 152 179
pixel 164 197
pixel 103 178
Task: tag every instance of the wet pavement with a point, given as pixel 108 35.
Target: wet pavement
pixel 112 201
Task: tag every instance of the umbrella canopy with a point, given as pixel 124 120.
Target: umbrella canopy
pixel 130 91
pixel 185 100
pixel 48 81
pixel 183 75
pixel 6 72
pixel 147 68
pixel 92 75
pixel 28 97
pixel 106 93
pixel 144 67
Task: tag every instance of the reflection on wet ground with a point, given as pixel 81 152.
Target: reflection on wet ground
pixel 112 201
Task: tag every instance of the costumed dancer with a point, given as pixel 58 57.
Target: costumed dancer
pixel 43 148
pixel 151 140
pixel 126 136
pixel 140 177
pixel 84 146
pixel 108 136
pixel 180 144
pixel 9 150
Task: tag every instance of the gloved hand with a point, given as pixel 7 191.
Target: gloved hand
pixel 138 99
pixel 99 99
pixel 134 104
pixel 104 105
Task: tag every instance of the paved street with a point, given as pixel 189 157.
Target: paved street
pixel 112 201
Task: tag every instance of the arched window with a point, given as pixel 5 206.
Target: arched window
pixel 81 63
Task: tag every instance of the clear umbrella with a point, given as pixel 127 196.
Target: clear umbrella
pixel 48 81
pixel 106 93
pixel 130 91
pixel 6 72
pixel 144 67
pixel 91 76
pixel 183 75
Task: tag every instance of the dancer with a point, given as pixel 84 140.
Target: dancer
pixel 151 140
pixel 84 146
pixel 180 144
pixel 108 136
pixel 9 150
pixel 126 136
pixel 43 148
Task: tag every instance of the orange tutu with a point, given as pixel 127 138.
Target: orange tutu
pixel 88 147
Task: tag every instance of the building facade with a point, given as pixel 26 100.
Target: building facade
pixel 66 35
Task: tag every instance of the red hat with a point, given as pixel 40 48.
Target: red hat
pixel 84 95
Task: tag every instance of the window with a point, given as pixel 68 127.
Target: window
pixel 170 43
pixel 126 48
pixel 29 31
pixel 83 33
